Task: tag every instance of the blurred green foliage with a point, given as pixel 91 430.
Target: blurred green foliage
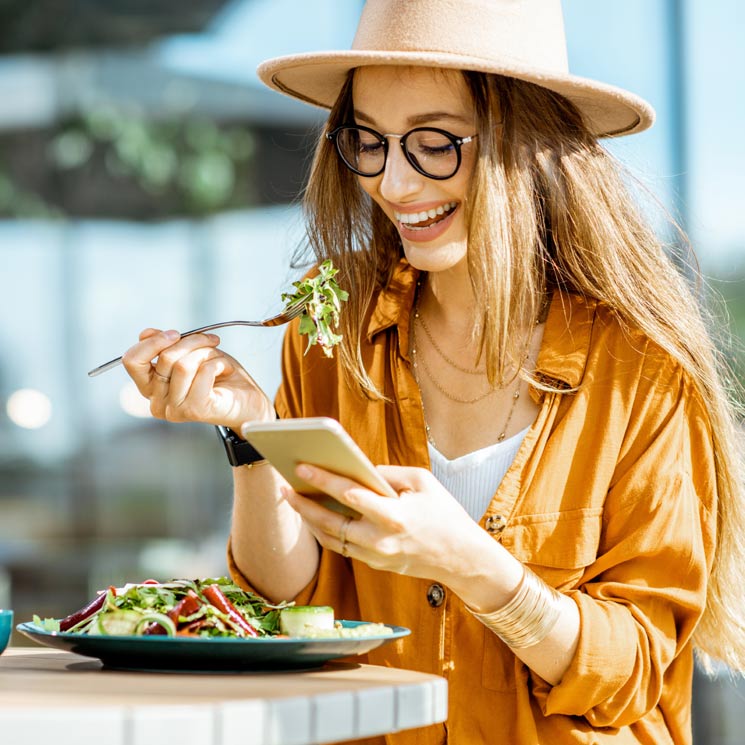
pixel 194 158
pixel 729 289
pixel 732 290
pixel 18 202
pixel 193 165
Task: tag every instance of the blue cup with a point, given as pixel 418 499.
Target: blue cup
pixel 6 626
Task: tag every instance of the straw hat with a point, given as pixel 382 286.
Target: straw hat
pixel 522 39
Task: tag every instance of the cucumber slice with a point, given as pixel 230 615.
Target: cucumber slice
pixel 116 623
pixel 298 619
pixel 160 618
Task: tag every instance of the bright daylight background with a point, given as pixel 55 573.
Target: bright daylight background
pixel 146 178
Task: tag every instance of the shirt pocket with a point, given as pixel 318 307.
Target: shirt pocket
pixel 557 546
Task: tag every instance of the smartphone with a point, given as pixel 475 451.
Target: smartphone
pixel 319 441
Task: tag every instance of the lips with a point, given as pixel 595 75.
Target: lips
pixel 425 225
pixel 425 217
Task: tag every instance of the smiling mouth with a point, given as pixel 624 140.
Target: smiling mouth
pixel 426 218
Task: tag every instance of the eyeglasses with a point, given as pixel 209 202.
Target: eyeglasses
pixel 432 152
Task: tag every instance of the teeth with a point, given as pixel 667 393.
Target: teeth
pixel 412 218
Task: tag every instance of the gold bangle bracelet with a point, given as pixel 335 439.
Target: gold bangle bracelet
pixel 528 617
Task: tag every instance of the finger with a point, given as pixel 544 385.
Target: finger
pixel 162 379
pixel 325 524
pixel 206 394
pixel 137 359
pixel 346 491
pixel 309 509
pixel 147 333
pixel 362 535
pixel 171 355
pixel 169 358
pixel 405 478
pixel 330 543
pixel 183 371
pixel 206 376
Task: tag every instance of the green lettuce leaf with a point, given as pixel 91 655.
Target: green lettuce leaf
pixel 321 297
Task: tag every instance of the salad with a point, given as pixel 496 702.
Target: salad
pixel 207 608
pixel 321 297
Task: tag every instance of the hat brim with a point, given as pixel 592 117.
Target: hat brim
pixel 318 77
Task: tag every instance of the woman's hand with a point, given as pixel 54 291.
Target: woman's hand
pixel 424 533
pixel 194 381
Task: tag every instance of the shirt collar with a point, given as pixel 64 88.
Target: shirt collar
pixel 566 336
pixel 394 303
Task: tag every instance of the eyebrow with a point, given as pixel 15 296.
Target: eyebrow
pixel 417 119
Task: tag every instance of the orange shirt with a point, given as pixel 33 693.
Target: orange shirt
pixel 611 499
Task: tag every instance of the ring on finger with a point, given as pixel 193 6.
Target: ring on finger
pixel 160 377
pixel 343 535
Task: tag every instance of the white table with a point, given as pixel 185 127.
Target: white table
pixel 65 699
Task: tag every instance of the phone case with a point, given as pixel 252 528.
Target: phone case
pixel 319 441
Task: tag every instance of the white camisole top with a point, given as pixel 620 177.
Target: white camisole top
pixel 473 478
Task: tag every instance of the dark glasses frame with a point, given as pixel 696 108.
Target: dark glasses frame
pixel 457 142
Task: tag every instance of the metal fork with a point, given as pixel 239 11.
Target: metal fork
pixel 281 318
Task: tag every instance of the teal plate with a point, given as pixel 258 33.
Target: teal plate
pixel 157 653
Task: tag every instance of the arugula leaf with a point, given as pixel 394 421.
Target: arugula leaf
pixel 322 298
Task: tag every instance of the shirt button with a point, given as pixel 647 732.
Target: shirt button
pixel 495 524
pixel 435 595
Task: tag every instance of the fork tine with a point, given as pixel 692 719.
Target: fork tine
pixel 296 310
pixel 287 315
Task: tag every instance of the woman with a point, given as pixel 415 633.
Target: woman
pixel 527 364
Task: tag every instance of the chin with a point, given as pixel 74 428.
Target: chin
pixel 428 258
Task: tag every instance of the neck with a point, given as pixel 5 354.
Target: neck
pixel 447 297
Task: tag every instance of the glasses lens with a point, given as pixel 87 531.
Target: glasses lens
pixel 432 152
pixel 361 150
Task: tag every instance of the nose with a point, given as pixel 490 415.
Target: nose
pixel 399 179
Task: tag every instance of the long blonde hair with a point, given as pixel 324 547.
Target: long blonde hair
pixel 548 207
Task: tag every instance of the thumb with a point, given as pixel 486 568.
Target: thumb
pixel 224 367
pixel 403 478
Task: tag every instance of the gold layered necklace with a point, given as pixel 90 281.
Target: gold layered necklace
pixel 468 370
pixel 418 363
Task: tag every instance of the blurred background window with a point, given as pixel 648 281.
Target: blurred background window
pixel 148 179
